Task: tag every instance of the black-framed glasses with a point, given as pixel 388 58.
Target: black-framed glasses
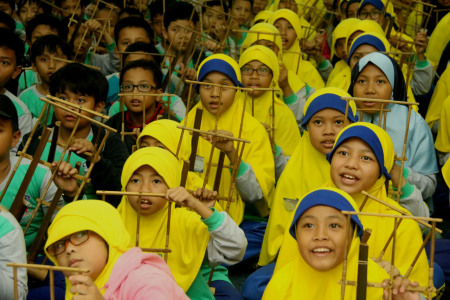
pixel 261 71
pixel 75 239
pixel 143 87
pixel 375 14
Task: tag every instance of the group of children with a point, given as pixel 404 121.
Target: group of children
pixel 220 133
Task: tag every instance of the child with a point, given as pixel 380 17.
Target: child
pixel 317 229
pixel 241 11
pixel 11 53
pixel 6 21
pixel 378 76
pixel 12 249
pixel 90 234
pixel 69 8
pixel 28 9
pixel 146 77
pixel 155 170
pixel 156 9
pixel 88 88
pixel 44 55
pixel 289 26
pixel 307 168
pixel 259 69
pixel 9 7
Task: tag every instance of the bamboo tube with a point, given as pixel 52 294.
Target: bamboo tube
pixel 47 267
pixel 408 272
pixel 380 285
pixel 214 134
pixel 390 216
pixel 347 247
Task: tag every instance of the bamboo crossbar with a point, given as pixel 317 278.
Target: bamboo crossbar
pixel 256 32
pixel 78 107
pixel 121 193
pixel 162 250
pixel 220 85
pixel 47 267
pixel 71 61
pixel 64 106
pixel 390 216
pixel 379 100
pixel 145 53
pixel 421 289
pixel 147 94
pixel 214 134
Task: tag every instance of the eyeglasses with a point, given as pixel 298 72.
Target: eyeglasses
pixel 262 71
pixel 143 87
pixel 373 14
pixel 75 239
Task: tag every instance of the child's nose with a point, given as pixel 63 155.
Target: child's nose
pixel 320 233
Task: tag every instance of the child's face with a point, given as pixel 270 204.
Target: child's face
pixel 91 254
pixel 149 141
pixel 353 36
pixel 370 12
pixel 269 44
pixel 210 95
pixel 4 7
pixel 28 11
pixel 45 65
pixel 241 11
pixel 157 24
pixel 138 56
pixel 360 52
pixel 137 103
pixel 8 138
pixel 80 45
pixel 354 167
pixel 339 46
pixel 259 5
pixel 352 10
pixel 323 128
pixel 288 4
pixel 372 83
pixel 256 75
pixel 146 179
pixel 68 119
pixel 178 36
pixel 8 68
pixel 287 31
pixel 212 18
pixel 103 16
pixel 321 234
pixel 42 30
pixel 131 35
pixel 69 7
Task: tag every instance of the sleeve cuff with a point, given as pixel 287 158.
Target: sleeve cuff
pixel 277 150
pixel 214 221
pixel 243 167
pixel 323 64
pixel 110 48
pixel 407 190
pixel 290 99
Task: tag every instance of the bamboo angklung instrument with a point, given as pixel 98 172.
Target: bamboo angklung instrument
pixel 361 288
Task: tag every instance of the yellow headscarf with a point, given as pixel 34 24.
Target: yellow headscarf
pixel 99 217
pixel 258 153
pixel 262 16
pixel 446 172
pixel 364 26
pixel 443 137
pixel 293 61
pixel 287 134
pixel 341 32
pixel 441 92
pixel 306 170
pixel 438 40
pixel 188 235
pixel 298 280
pixel 273 35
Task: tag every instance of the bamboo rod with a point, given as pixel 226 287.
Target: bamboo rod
pixel 47 267
pixel 78 107
pixel 214 134
pixel 390 216
pixel 380 285
pixel 219 85
pixel 162 250
pixel 346 249
pixel 379 100
pixel 408 272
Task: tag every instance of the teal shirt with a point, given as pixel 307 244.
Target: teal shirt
pixel 31 98
pixel 27 78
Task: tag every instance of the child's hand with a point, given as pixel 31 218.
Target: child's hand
pixel 191 74
pixel 212 46
pixel 85 149
pixel 84 288
pixel 399 291
pixel 208 197
pixel 222 143
pixel 93 25
pixel 220 31
pixel 395 175
pixel 64 178
pixel 421 42
pixel 180 196
pixel 399 43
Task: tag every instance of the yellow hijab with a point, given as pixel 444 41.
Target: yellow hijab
pixel 293 61
pixel 99 217
pixel 306 170
pixel 167 132
pixel 443 137
pixel 298 280
pixel 446 172
pixel 438 40
pixel 258 153
pixel 287 134
pixel 188 235
pixel 341 32
pixel 441 92
pixel 262 16
pixel 273 35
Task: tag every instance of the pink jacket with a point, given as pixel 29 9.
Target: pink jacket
pixel 137 275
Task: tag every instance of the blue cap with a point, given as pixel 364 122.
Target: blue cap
pixel 377 3
pixel 366 40
pixel 328 198
pixel 327 101
pixel 367 135
pixel 218 65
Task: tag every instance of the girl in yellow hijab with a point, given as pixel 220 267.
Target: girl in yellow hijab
pixel 290 27
pixel 156 170
pixel 441 92
pixel 310 276
pixel 90 234
pixel 307 168
pixel 259 69
pixel 442 143
pixel 294 90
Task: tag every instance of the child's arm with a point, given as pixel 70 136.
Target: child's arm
pixel 182 197
pixel 424 73
pixel 83 286
pixel 399 291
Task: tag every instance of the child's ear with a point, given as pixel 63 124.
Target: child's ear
pixel 17 72
pixel 159 98
pixel 99 106
pixel 33 65
pixel 15 138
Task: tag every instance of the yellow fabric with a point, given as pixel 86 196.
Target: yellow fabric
pixel 258 153
pixel 341 32
pixel 446 172
pixel 364 26
pixel 409 237
pixel 167 132
pixel 302 8
pixel 298 280
pixel 306 170
pixel 268 105
pixel 441 92
pixel 188 236
pixel 438 40
pixel 99 217
pixel 292 57
pixel 262 16
pixel 443 137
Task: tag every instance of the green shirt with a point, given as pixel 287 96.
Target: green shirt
pixel 31 98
